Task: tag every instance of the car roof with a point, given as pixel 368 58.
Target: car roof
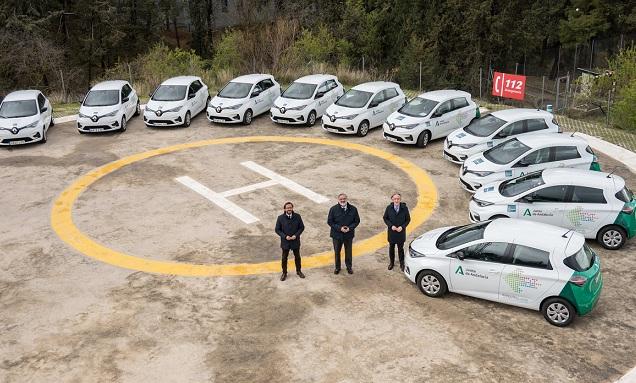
pixel 535 234
pixel 579 177
pixel 444 94
pixel 18 95
pixel 181 80
pixel 109 85
pixel 521 114
pixel 553 139
pixel 252 78
pixel 316 78
pixel 375 86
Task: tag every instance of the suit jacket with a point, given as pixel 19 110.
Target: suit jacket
pixel 338 218
pixel 287 227
pixel 401 218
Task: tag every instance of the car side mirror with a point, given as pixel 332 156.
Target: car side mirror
pixel 501 135
pixel 191 96
pixel 460 255
pixel 436 114
pixel 373 104
pixel 255 93
pixel 125 99
pixel 44 109
pixel 319 95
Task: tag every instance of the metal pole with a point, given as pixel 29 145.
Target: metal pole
pixel 362 63
pixel 556 104
pixel 609 93
pixel 567 90
pixel 542 88
pixel 420 76
pixel 576 51
pixel 480 74
pixel 516 67
pixel 591 53
pixel 558 61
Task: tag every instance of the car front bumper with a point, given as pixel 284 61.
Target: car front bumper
pixel 24 136
pixel 165 119
pixel 399 135
pixel 225 116
pixel 295 117
pixel 455 154
pixel 104 124
pixel 340 125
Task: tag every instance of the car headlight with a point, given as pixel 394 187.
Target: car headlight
pixel 147 109
pixel 415 254
pixel 349 117
pixel 111 114
pixel 300 107
pixel 481 203
pixel 178 108
pixel 410 126
pixel 82 115
pixel 233 107
pixel 31 125
pixel 479 174
pixel 464 146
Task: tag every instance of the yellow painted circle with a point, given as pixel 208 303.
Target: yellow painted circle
pixel 62 213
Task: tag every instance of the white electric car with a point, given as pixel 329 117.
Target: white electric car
pixel 176 101
pixel 108 106
pixel 595 204
pixel 25 117
pixel 521 263
pixel 244 98
pixel 525 154
pixel 306 99
pixel 363 107
pixel 429 116
pixel 494 128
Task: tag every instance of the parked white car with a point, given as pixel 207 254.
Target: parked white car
pixel 494 128
pixel 516 262
pixel 595 204
pixel 108 106
pixel 363 107
pixel 429 116
pixel 306 99
pixel 176 101
pixel 243 98
pixel 25 117
pixel 525 154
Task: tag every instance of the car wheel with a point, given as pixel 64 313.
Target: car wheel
pixel 558 312
pixel 423 139
pixel 52 122
pixel 44 138
pixel 247 117
pixel 187 119
pixel 612 237
pixel 311 119
pixel 431 284
pixel 123 124
pixel 363 128
pixel 137 109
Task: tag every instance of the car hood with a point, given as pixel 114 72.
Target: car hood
pixel 8 123
pixel 336 110
pixel 479 163
pixel 425 243
pixel 462 137
pixel 164 105
pixel 399 119
pixel 490 193
pixel 291 102
pixel 98 110
pixel 222 101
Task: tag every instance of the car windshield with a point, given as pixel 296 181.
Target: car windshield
pixel 299 91
pixel 581 260
pixel 484 126
pixel 354 99
pixel 16 109
pixel 506 152
pixel 460 235
pixel 625 195
pixel 170 93
pixel 235 90
pixel 418 107
pixel 521 184
pixel 102 98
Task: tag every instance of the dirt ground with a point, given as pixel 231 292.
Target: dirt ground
pixel 65 317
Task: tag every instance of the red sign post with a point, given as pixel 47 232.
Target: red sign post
pixel 509 85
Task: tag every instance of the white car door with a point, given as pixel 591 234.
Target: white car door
pixel 586 209
pixel 377 109
pixel 530 276
pixel 569 157
pixel 323 102
pixel 536 160
pixel 478 273
pixel 192 103
pixel 464 113
pixel 45 111
pixel 441 120
pixel 545 205
pixel 259 102
pixel 395 101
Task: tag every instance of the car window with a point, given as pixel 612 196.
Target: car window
pixel 17 109
pixel 581 260
pixel 102 98
pixel 299 91
pixel 461 235
pixel 390 93
pixel 444 108
pixel 625 195
pixel 506 152
pixel 323 88
pixel 536 124
pixel 331 84
pixel 511 129
pixel 540 156
pixel 266 84
pixel 41 101
pixel 354 99
pixel 126 90
pixel 195 86
pixel 418 107
pixel 550 194
pixel 484 126
pixel 530 257
pixel 563 153
pixel 521 184
pixel 583 194
pixel 459 103
pixel 235 90
pixel 488 252
pixel 379 98
pixel 169 93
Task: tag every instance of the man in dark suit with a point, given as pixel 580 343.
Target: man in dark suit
pixel 397 218
pixel 343 219
pixel 289 226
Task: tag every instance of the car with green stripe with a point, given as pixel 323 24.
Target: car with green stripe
pixel 517 262
pixel 596 204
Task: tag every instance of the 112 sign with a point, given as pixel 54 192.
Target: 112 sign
pixel 509 85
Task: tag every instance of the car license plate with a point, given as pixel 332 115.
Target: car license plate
pixel 94 130
pixel 217 120
pixel 17 142
pixel 390 138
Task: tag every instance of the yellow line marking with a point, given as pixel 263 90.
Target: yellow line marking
pixel 62 213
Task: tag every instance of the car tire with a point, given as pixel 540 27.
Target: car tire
pixel 612 237
pixel 423 139
pixel 44 137
pixel 431 284
pixel 52 122
pixel 187 119
pixel 558 311
pixel 137 109
pixel 123 124
pixel 311 118
pixel 247 117
pixel 363 128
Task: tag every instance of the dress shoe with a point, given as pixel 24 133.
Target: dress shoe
pixel 300 274
pixel 390 266
pixel 283 276
pixel 336 271
pixel 350 271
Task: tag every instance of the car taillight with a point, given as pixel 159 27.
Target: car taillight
pixel 627 209
pixel 578 280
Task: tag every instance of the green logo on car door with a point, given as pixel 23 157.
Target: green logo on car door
pixel 527 213
pixel 459 270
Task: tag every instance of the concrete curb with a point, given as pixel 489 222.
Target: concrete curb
pixel 623 155
pixel 630 377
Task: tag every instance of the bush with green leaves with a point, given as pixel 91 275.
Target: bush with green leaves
pixel 624 67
